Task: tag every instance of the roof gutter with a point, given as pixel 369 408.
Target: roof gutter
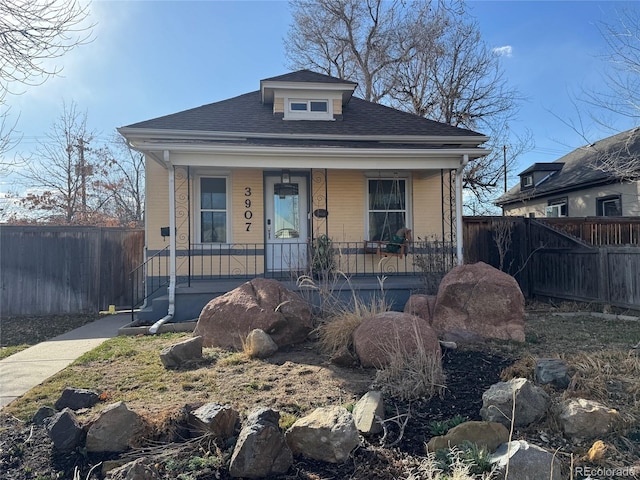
pixel 177 135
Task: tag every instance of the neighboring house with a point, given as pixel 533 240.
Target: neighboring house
pixel 593 180
pixel 244 187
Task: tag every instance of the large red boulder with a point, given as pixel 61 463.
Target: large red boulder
pixel 377 337
pixel 422 306
pixel 261 303
pixel 478 299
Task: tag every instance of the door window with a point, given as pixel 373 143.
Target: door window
pixel 286 210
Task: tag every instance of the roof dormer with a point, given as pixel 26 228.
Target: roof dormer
pixel 538 173
pixel 306 95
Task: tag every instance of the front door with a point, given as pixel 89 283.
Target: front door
pixel 286 224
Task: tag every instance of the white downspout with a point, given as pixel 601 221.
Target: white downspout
pixel 459 202
pixel 172 249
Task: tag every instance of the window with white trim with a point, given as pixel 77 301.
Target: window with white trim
pixel 527 181
pixel 557 208
pixel 387 207
pixel 610 206
pixel 213 210
pixel 309 106
pixel 308 109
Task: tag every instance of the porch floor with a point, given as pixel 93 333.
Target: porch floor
pixel 190 299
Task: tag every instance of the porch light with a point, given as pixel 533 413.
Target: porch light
pixel 285 178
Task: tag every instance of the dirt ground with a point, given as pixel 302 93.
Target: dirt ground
pixel 297 379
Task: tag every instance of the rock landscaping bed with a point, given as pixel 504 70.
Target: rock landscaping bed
pixel 381 396
pixel 297 379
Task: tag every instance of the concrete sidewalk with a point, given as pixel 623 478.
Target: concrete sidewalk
pixel 24 370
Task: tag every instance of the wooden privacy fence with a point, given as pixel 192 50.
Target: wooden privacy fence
pixel 547 261
pixel 600 230
pixel 47 270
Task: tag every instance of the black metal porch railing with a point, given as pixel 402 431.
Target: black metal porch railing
pixel 288 260
pixel 429 259
pixel 149 277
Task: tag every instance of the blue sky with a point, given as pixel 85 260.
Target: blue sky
pixel 151 58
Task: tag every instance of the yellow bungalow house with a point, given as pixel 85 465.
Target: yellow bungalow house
pixel 260 184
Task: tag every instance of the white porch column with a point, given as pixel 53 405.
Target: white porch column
pixel 172 230
pixel 459 204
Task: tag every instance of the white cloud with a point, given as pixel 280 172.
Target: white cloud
pixel 505 51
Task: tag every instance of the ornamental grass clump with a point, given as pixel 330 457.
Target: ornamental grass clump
pixel 411 373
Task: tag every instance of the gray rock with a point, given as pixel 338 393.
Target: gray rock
pixel 526 462
pixel 261 449
pixel 584 419
pixel 77 398
pixel 259 344
pixel 218 420
pixel 65 431
pixel 139 469
pixel 113 430
pixel 43 415
pixel 175 356
pixel 531 401
pixel 368 412
pixel 552 371
pixel 328 434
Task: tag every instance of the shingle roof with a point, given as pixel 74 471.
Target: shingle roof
pixel 582 167
pixel 247 114
pixel 307 76
pixel 543 167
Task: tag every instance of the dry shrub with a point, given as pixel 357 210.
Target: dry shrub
pixel 523 368
pixel 336 332
pixel 609 377
pixel 164 426
pixel 410 374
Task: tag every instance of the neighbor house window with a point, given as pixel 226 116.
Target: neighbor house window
pixel 557 208
pixel 387 212
pixel 213 210
pixel 609 206
pixel 527 181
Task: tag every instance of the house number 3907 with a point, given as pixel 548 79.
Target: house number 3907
pixel 248 213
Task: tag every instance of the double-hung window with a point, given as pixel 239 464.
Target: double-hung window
pixel 213 210
pixel 387 207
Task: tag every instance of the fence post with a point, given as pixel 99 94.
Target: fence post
pixel 603 277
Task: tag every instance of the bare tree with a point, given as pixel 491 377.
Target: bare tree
pixel 622 77
pixel 33 34
pixel 363 41
pixel 421 56
pixel 60 178
pixel 619 97
pixel 121 179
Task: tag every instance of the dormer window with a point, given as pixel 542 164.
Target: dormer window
pixel 527 181
pixel 308 109
pixel 309 106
